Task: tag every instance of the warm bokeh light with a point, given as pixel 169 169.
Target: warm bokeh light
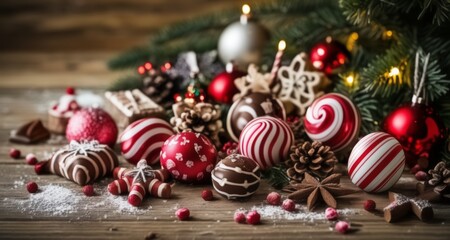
pixel 354 36
pixel 148 66
pixel 281 45
pixel 141 70
pixel 350 79
pixel 394 72
pixel 245 9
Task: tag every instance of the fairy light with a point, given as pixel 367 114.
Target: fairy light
pixel 141 70
pixel 394 72
pixel 148 66
pixel 354 36
pixel 350 79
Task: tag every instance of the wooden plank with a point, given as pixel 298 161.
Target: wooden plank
pixel 98 217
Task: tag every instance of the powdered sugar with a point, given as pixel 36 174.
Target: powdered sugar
pixel 52 199
pixel 278 213
pixel 56 200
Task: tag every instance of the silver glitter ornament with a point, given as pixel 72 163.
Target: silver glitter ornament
pixel 243 43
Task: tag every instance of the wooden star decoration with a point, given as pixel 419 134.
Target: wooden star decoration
pixel 311 190
pixel 402 205
pixel 254 81
pixel 297 84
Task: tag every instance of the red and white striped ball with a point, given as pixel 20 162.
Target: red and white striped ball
pixel 333 120
pixel 143 139
pixel 376 162
pixel 266 140
pixel 189 157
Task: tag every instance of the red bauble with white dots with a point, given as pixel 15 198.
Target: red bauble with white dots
pixel 329 57
pixel 92 124
pixel 189 157
pixel 222 87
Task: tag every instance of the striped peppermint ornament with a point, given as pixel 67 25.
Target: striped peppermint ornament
pixel 333 120
pixel 143 139
pixel 376 162
pixel 266 140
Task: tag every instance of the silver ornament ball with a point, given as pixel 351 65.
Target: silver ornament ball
pixel 243 43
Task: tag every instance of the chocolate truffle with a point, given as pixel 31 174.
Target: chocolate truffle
pixel 236 177
pixel 247 108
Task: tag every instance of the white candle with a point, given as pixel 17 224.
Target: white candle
pixel 245 13
pixel 277 62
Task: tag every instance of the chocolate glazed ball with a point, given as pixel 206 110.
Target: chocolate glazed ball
pixel 236 177
pixel 249 107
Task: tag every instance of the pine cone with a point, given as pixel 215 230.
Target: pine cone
pixel 315 159
pixel 158 86
pixel 440 178
pixel 202 118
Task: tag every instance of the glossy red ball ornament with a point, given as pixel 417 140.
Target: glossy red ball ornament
pixel 418 129
pixel 222 88
pixel 189 157
pixel 329 57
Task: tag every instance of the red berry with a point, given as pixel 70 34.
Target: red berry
pixel 88 190
pixel 39 167
pixel 31 159
pixel 239 217
pixel 183 214
pixel 331 214
pixel 70 90
pixel 274 198
pixel 32 187
pixel 207 195
pixel 415 169
pixel 92 124
pixel 288 205
pixel 370 205
pixel 14 153
pixel 253 218
pixel 421 176
pixel 342 226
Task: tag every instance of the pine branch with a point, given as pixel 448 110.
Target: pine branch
pixel 127 83
pixel 131 58
pixel 276 177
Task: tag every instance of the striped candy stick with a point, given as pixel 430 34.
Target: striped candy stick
pixel 162 175
pixel 159 189
pixel 120 186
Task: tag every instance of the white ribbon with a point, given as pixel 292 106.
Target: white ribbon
pixel 141 172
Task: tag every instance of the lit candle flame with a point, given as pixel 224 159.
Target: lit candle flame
pixel 281 45
pixel 246 9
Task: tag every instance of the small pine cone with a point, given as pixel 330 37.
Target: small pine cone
pixel 440 178
pixel 158 86
pixel 313 158
pixel 296 125
pixel 202 118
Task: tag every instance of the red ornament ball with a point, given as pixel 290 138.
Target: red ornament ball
pixel 222 88
pixel 342 227
pixel 419 130
pixel 88 190
pixel 14 153
pixel 329 57
pixel 190 157
pixel 288 205
pixel 92 124
pixel 31 159
pixel 207 195
pixel 273 198
pixel 253 218
pixel 32 187
pixel 370 205
pixel 183 214
pixel 143 139
pixel 239 217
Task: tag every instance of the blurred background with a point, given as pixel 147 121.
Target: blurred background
pixel 44 42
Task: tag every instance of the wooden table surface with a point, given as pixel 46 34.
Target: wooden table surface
pixel 25 95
